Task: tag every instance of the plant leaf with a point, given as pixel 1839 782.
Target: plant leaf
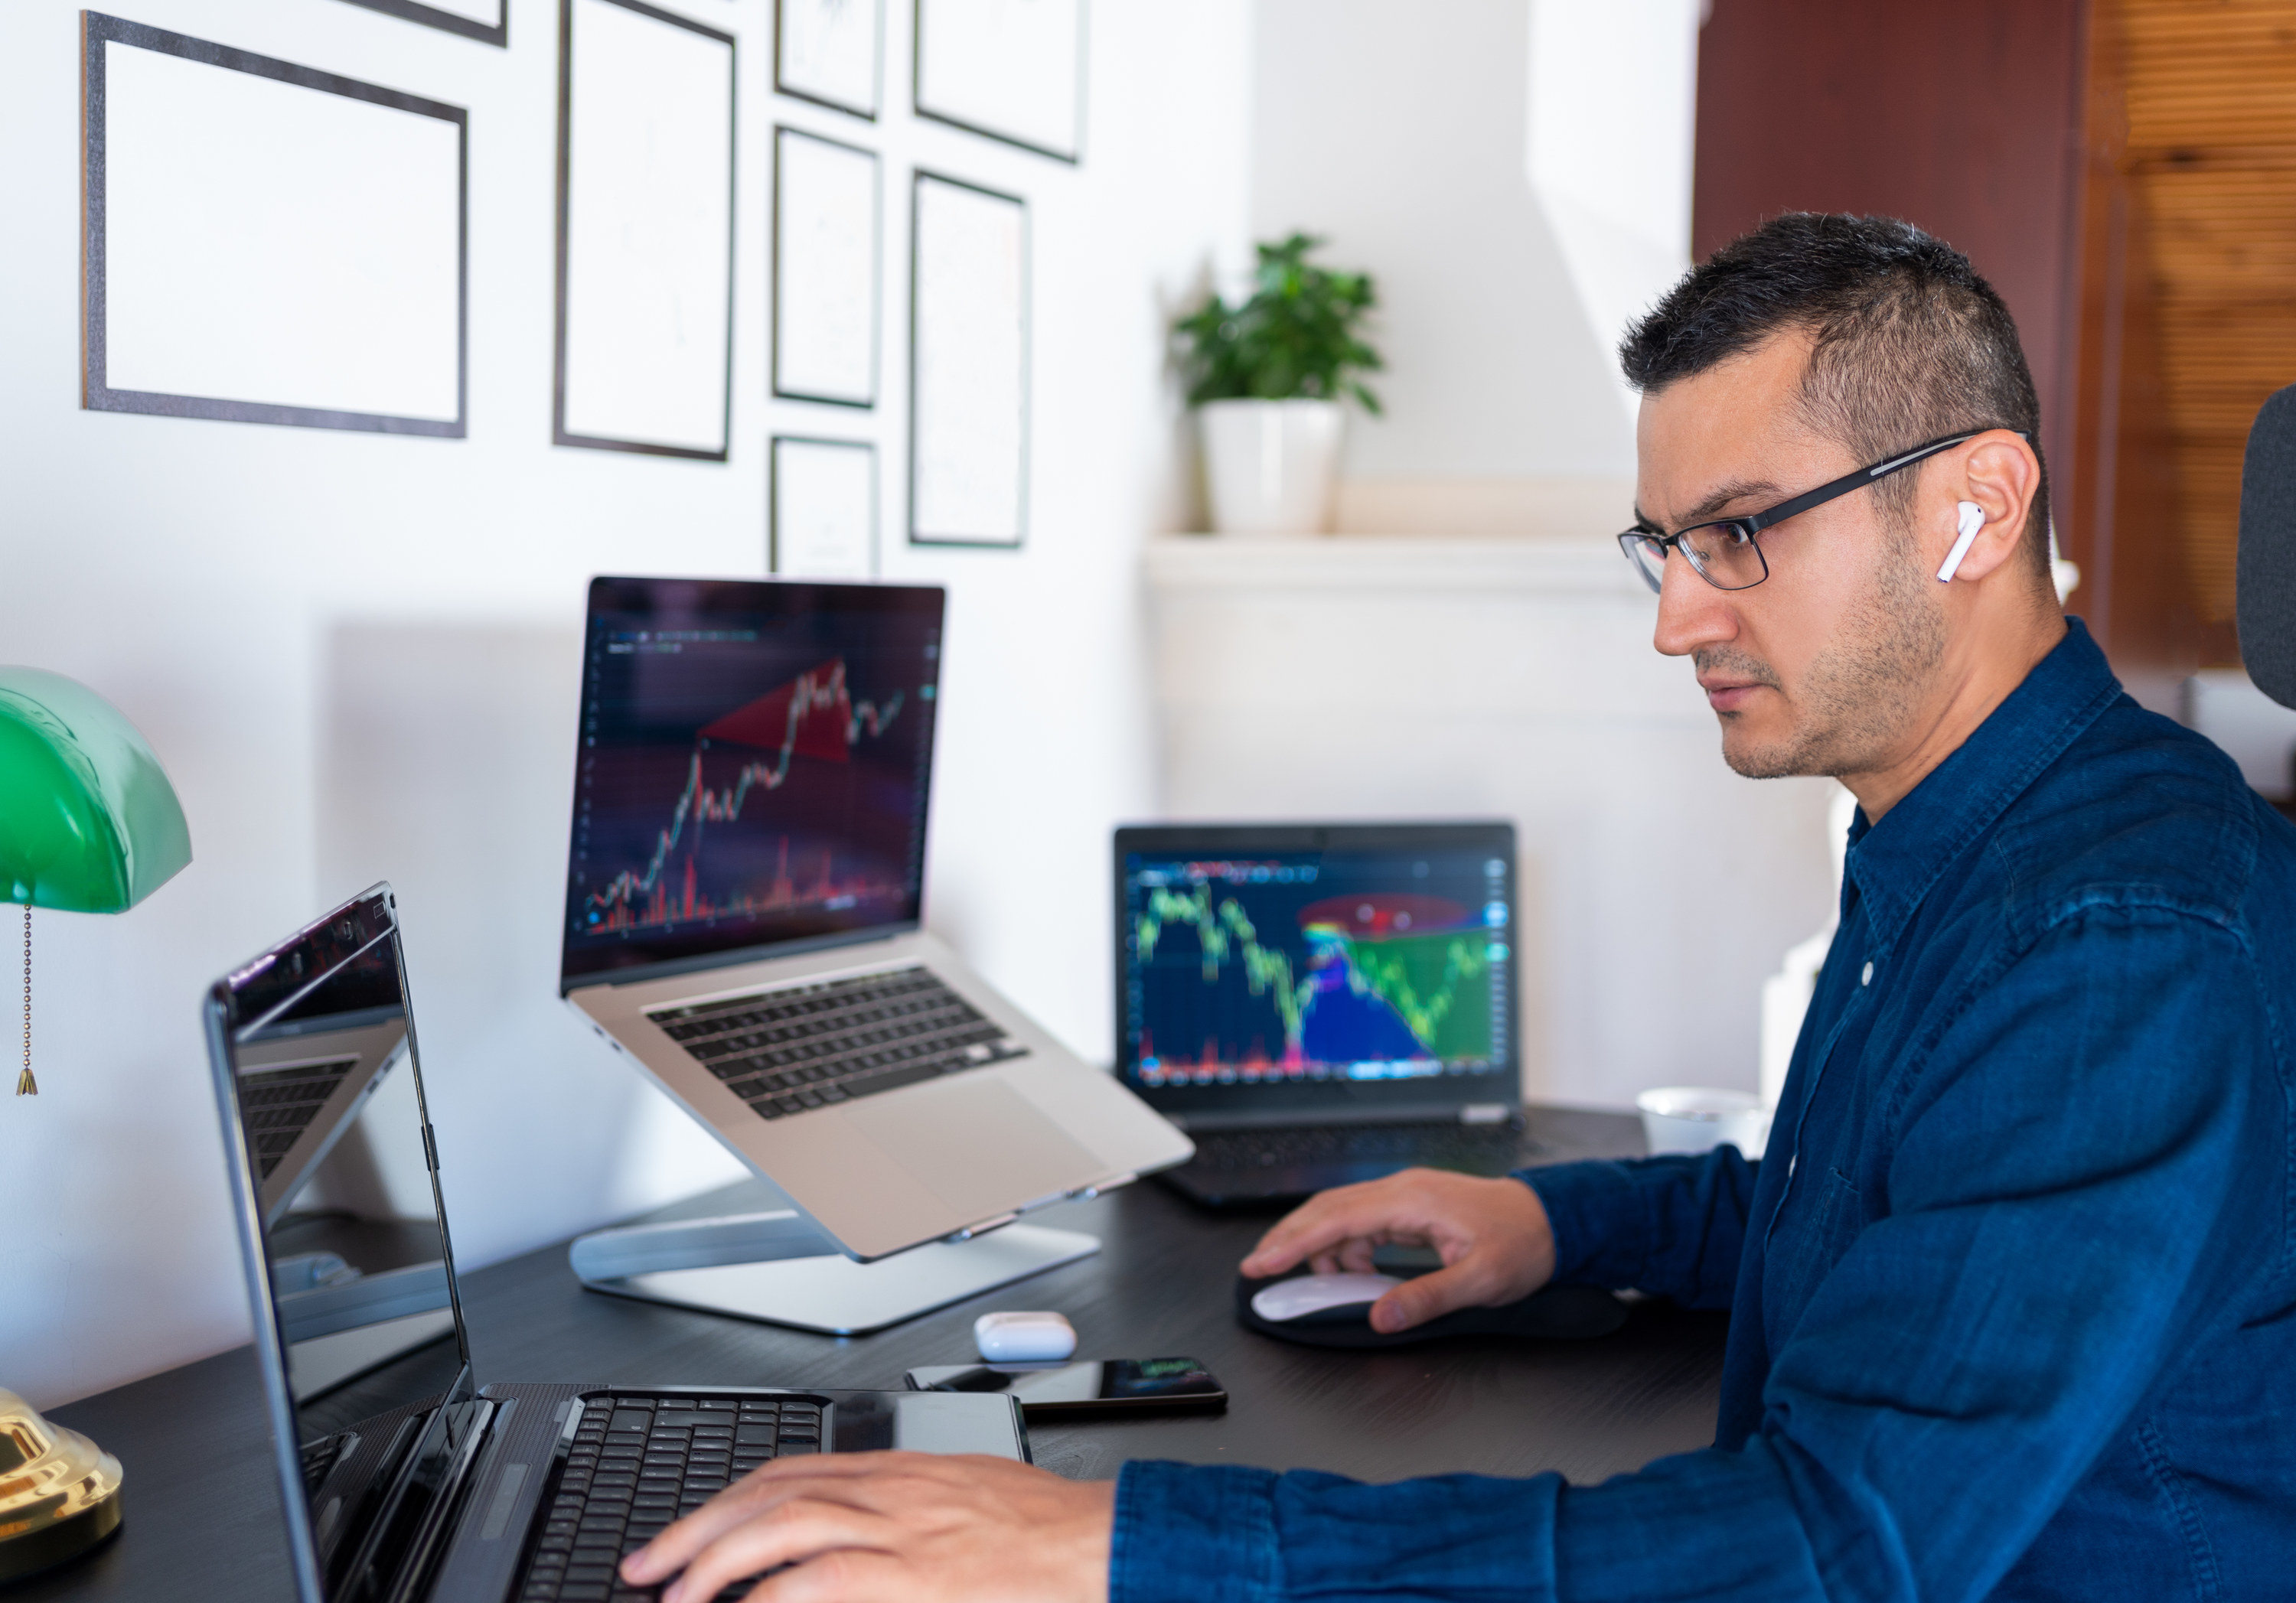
pixel 1297 336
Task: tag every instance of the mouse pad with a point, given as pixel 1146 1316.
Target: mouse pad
pixel 1551 1314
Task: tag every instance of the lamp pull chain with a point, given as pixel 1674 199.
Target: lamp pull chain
pixel 27 1087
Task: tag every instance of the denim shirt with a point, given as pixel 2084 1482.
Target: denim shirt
pixel 2012 1300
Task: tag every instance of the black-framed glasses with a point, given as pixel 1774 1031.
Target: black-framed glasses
pixel 1728 555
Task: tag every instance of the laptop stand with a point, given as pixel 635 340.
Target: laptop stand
pixel 779 1269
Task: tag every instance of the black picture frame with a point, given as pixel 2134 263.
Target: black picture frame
pixel 876 277
pixel 96 393
pixel 774 496
pixel 919 178
pixel 430 16
pixel 1074 158
pixel 812 97
pixel 559 433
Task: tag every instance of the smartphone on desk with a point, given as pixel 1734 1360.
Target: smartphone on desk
pixel 1104 1386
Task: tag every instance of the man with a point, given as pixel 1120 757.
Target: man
pixel 2013 1291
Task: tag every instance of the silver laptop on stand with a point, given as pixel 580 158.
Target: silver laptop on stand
pixel 404 1478
pixel 744 889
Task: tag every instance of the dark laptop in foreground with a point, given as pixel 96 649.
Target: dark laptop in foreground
pixel 404 1478
pixel 1319 1005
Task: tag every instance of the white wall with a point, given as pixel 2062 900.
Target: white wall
pixel 355 654
pixel 1398 131
pixel 1511 679
pixel 2256 731
pixel 1612 114
pixel 1516 176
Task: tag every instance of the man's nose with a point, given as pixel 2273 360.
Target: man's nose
pixel 1690 612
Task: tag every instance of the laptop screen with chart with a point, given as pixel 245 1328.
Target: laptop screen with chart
pixel 753 770
pixel 1306 968
pixel 743 919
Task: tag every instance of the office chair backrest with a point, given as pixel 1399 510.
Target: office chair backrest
pixel 2267 572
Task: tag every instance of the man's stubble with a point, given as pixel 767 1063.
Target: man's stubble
pixel 1862 690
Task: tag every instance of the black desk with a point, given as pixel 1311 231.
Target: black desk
pixel 202 1515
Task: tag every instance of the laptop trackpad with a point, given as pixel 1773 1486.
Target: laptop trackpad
pixel 979 1147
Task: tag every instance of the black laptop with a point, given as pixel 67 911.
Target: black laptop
pixel 1319 1005
pixel 406 1478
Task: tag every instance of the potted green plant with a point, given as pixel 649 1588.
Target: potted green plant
pixel 1267 379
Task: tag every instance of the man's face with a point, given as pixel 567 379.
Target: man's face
pixel 1821 668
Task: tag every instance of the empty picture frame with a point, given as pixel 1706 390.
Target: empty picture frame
pixel 1012 69
pixel 830 52
pixel 823 521
pixel 267 243
pixel 968 364
pixel 645 231
pixel 486 21
pixel 826 206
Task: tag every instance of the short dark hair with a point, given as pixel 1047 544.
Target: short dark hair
pixel 1909 343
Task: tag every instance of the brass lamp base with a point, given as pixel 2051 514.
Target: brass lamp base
pixel 58 1491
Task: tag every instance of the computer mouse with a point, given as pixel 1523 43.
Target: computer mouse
pixel 1333 1296
pixel 1335 1311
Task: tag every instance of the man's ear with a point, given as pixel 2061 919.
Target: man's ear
pixel 2000 473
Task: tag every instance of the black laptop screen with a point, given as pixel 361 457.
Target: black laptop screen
pixel 315 1054
pixel 752 769
pixel 1321 958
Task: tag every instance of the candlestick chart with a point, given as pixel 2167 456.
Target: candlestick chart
pixel 769 813
pixel 813 715
pixel 1354 981
pixel 753 767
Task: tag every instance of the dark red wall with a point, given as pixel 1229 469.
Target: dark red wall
pixel 1961 116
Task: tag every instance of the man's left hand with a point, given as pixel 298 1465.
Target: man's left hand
pixel 903 1527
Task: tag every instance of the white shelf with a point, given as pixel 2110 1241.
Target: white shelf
pixel 1421 564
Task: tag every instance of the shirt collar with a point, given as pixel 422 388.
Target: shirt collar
pixel 1895 862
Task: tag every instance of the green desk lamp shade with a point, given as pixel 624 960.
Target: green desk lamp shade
pixel 88 822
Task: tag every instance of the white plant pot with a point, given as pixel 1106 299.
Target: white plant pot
pixel 1271 467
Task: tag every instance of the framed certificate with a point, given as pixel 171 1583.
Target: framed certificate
pixel 825 270
pixel 268 243
pixel 968 366
pixel 645 231
pixel 830 52
pixel 823 518
pixel 1012 69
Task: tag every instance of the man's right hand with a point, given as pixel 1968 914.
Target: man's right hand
pixel 1493 1235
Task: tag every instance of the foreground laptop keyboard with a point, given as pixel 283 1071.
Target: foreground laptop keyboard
pixel 806 1046
pixel 639 1462
pixel 320 1458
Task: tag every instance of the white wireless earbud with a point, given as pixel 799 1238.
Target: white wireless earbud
pixel 1972 518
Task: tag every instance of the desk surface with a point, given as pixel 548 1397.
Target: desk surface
pixel 203 1502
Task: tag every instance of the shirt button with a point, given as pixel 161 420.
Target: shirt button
pixel 1866 979
pixel 1791 1162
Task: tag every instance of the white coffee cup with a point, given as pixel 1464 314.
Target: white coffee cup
pixel 1698 1118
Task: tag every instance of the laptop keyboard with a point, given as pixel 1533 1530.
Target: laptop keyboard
pixel 796 1047
pixel 279 1105
pixel 321 1456
pixel 639 1462
pixel 1473 1148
